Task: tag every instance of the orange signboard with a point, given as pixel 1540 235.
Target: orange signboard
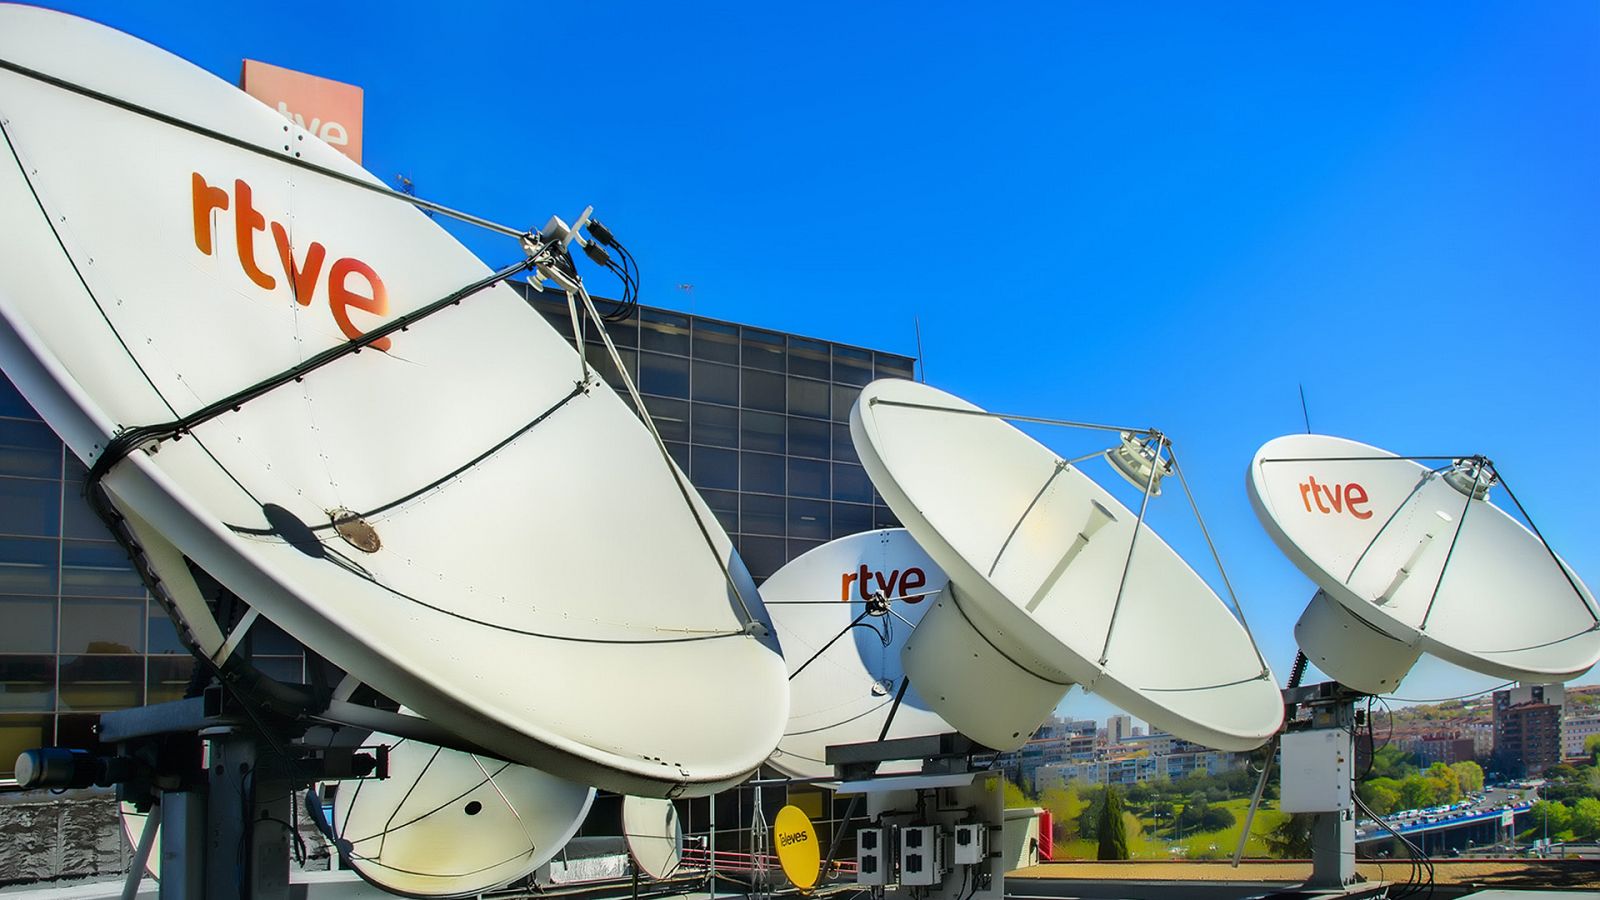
pixel 329 109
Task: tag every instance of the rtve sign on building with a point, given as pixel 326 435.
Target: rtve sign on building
pixel 329 109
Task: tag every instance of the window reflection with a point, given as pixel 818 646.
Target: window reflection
pixel 852 366
pixel 809 519
pixel 27 682
pixel 667 376
pixel 761 514
pixel 716 425
pixel 761 472
pixel 715 383
pixel 168 677
pixel 808 358
pixel 91 568
pixel 27 624
pixel 762 350
pixel 844 397
pixel 762 431
pixel 851 483
pixel 762 390
pixel 716 341
pixel 101 682
pixel 851 518
pixel 30 507
pixel 663 331
pixel 28 565
pixel 19 733
pixel 762 555
pixel 714 468
pixel 808 398
pixel 102 625
pixel 808 437
pixel 161 635
pixel 671 417
pixel 808 478
pixel 725 504
pixel 30 449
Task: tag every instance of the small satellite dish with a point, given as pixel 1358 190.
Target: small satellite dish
pixel 441 514
pixel 799 854
pixel 1044 590
pixel 654 835
pixel 843 612
pixel 452 824
pixel 1409 559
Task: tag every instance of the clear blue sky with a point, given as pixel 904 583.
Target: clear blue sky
pixel 1170 216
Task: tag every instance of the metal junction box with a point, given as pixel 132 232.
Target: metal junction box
pixel 1316 771
pixel 971 844
pixel 921 855
pixel 874 862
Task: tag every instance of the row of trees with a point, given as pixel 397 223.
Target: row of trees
pixel 1438 786
pixel 1560 822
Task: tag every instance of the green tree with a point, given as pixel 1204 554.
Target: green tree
pixel 1443 785
pixel 1415 792
pixel 1381 794
pixel 1469 775
pixel 1292 838
pixel 1113 831
pixel 1391 762
pixel 1549 817
pixel 1015 798
pixel 1586 819
pixel 1591 747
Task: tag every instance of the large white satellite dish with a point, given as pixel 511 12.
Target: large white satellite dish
pixel 1409 559
pixel 1044 590
pixel 843 612
pixel 654 834
pixel 452 824
pixel 444 518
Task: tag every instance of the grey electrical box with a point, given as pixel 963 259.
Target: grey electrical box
pixel 971 844
pixel 874 862
pixel 921 855
pixel 1316 771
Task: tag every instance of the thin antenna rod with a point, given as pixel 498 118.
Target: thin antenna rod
pixel 1304 412
pixel 922 365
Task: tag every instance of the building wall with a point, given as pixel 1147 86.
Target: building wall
pixel 1527 729
pixel 757 418
pixel 1575 730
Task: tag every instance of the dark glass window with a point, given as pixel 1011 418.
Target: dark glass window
pixel 624 333
pixel 851 518
pixel 762 555
pixel 30 506
pixel 75 471
pixel 663 331
pixel 680 454
pixel 671 417
pixel 168 677
pixel 883 518
pixel 161 635
pixel 12 404
pixel 716 341
pixel 717 426
pixel 851 483
pixel 95 569
pixel 844 449
pixel 27 683
pixel 808 398
pixel 716 384
pixel 78 519
pixel 809 358
pixel 102 625
pixel 101 682
pixel 761 514
pixel 763 350
pixel 809 519
pixel 797 546
pixel 19 733
pixel 714 468
pixel 762 431
pixel 287 669
pixel 852 365
pixel 726 506
pixel 600 360
pixel 667 376
pixel 28 565
pixel 27 624
pixel 761 472
pixel 762 390
pixel 844 397
pixel 808 478
pixel 267 639
pixel 808 437
pixel 29 449
pixel 891 366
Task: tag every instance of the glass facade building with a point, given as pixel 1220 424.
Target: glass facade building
pixel 758 418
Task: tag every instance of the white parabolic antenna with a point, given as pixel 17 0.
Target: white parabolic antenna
pixel 1043 591
pixel 1411 559
pixel 843 612
pixel 452 824
pixel 654 835
pixel 447 518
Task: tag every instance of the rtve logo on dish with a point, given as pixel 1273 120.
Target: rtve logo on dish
pixel 910 580
pixel 301 277
pixel 1336 498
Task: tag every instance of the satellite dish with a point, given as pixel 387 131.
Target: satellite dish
pixel 799 853
pixel 1411 559
pixel 843 677
pixel 1038 556
pixel 451 824
pixel 442 518
pixel 654 835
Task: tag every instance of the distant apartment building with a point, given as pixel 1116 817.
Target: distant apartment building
pixel 1446 747
pixel 1575 730
pixel 1127 770
pixel 1527 729
pixel 1118 729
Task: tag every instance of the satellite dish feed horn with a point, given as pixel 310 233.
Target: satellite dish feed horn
pixel 1053 582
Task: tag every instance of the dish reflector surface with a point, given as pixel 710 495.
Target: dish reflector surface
pixel 1035 550
pixel 654 835
pixel 843 695
pixel 1374 531
pixel 451 824
pixel 539 583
